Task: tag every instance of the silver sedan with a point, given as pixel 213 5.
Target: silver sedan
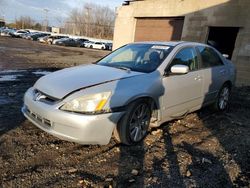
pixel 138 86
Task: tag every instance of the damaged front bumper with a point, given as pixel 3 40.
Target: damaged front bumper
pixel 79 128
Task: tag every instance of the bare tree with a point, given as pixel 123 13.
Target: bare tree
pixel 25 22
pixel 92 20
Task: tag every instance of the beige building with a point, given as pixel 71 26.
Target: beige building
pixel 55 30
pixel 224 24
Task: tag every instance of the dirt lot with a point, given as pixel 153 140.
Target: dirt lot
pixel 202 150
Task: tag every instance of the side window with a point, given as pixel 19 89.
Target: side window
pixel 209 57
pixel 186 56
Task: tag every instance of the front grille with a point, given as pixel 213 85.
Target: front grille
pixel 39 118
pixel 42 97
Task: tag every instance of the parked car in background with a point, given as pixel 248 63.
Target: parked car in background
pixel 2 28
pixel 19 33
pixel 108 46
pixel 69 42
pixel 7 32
pixel 82 41
pixel 29 35
pixel 138 85
pixel 55 37
pixel 37 35
pixel 86 44
pixel 56 41
pixel 95 45
pixel 26 35
pixel 4 32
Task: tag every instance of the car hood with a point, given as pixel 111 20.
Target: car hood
pixel 60 83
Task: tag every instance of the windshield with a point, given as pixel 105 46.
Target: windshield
pixel 137 57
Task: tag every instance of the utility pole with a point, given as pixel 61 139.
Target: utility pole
pixel 46 19
pixel 88 20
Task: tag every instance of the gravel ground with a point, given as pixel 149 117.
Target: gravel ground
pixel 204 149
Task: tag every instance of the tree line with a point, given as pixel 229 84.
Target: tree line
pixel 25 22
pixel 91 20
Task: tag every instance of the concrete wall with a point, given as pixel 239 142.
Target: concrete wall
pixel 199 15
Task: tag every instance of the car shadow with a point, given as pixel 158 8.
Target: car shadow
pixel 131 169
pixel 171 177
pixel 231 130
pixel 205 167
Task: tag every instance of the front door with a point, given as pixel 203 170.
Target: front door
pixel 182 92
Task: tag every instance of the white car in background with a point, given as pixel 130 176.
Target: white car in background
pixel 19 33
pixel 95 45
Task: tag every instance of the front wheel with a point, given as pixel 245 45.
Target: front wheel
pixel 133 126
pixel 222 101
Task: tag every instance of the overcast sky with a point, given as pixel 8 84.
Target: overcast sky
pixel 58 9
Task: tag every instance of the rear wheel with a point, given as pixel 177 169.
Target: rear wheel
pixel 222 101
pixel 133 126
pixel 91 46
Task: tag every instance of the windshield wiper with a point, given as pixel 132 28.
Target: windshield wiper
pixel 117 67
pixel 124 68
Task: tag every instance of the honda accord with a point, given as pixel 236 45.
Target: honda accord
pixel 137 86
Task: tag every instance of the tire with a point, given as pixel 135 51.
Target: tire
pixel 132 128
pixel 102 48
pixel 223 98
pixel 91 46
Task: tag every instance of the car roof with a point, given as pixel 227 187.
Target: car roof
pixel 169 43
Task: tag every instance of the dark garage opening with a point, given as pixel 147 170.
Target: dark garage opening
pixel 223 39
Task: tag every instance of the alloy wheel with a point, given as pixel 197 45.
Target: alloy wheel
pixel 139 122
pixel 224 98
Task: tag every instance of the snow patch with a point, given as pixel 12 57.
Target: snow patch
pixel 41 72
pixel 11 71
pixel 9 77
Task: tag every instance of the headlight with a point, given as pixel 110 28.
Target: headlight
pixel 88 103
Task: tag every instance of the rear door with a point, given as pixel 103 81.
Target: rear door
pixel 182 92
pixel 214 72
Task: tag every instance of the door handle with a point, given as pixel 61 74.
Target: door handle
pixel 198 78
pixel 222 71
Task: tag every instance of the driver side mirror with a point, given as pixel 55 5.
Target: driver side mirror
pixel 179 69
